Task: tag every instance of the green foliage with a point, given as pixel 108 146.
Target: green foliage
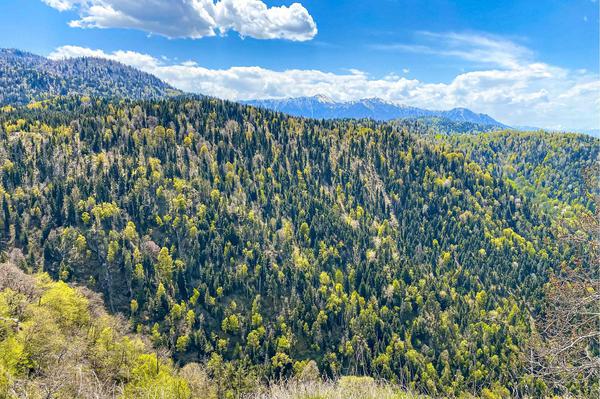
pixel 29 79
pixel 359 245
pixel 57 342
pixel 547 168
pixel 150 379
pixel 69 307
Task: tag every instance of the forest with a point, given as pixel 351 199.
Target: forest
pixel 247 247
pixel 27 77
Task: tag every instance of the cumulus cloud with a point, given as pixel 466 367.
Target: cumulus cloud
pixel 194 18
pixel 527 93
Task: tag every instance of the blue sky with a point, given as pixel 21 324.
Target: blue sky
pixel 522 62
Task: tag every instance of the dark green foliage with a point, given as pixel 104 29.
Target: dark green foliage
pixel 25 77
pixel 436 125
pixel 232 233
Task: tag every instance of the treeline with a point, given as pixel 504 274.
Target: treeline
pixel 257 242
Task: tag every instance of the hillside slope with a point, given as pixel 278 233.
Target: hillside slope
pixel 233 233
pixel 549 168
pixel 26 77
pixel 59 342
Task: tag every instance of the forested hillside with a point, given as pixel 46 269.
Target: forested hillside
pixel 59 342
pixel 27 78
pixel 259 242
pixel 542 166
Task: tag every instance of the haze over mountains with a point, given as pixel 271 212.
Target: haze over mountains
pixel 323 107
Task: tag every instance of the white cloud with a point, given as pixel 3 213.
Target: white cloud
pixel 60 5
pixel 194 18
pixel 253 18
pixel 477 48
pixel 529 93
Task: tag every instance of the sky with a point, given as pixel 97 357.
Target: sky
pixel 523 62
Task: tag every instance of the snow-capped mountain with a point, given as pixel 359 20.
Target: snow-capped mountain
pixel 323 107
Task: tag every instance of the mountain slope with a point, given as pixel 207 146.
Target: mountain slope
pixel 549 168
pixel 260 243
pixel 244 235
pixel 26 77
pixel 58 342
pixel 322 107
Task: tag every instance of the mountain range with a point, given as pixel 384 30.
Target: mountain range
pixel 323 107
pixel 26 77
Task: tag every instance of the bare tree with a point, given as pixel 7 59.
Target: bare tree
pixel 568 351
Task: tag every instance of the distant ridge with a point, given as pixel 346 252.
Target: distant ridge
pixel 323 107
pixel 26 77
pixel 589 132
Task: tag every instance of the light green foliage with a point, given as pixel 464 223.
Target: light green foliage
pixel 164 264
pixel 55 343
pixel 230 324
pixel 129 231
pixel 68 306
pixel 105 210
pixel 151 379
